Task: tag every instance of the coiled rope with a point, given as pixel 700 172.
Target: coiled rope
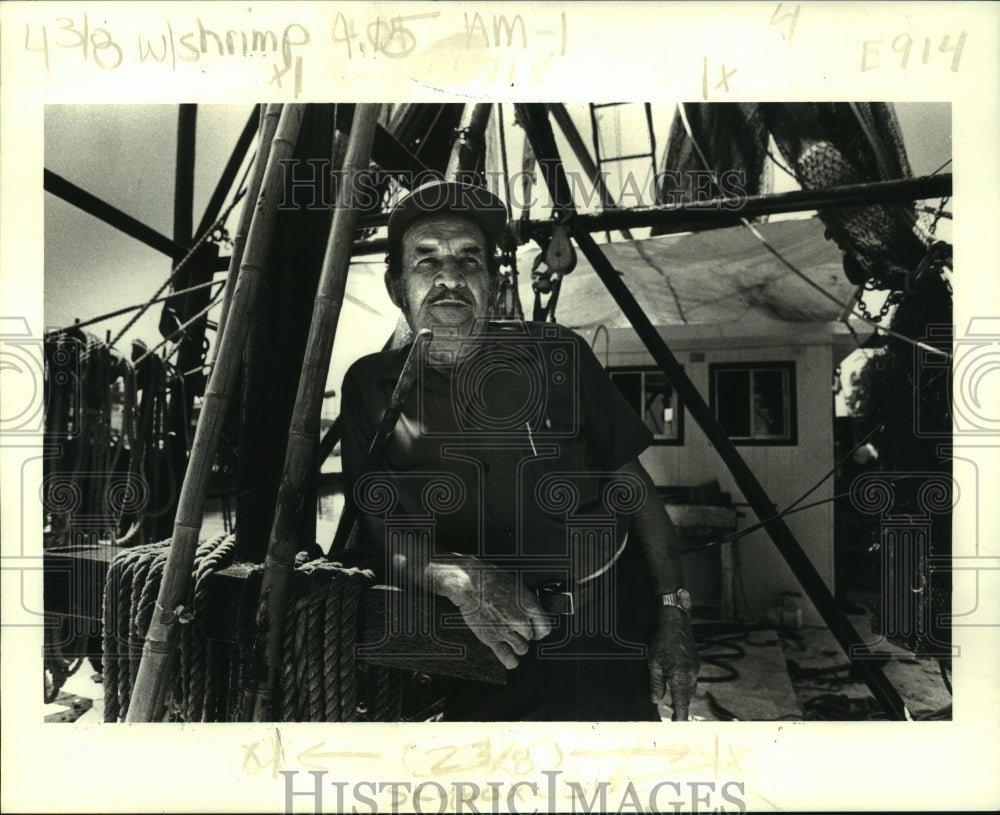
pixel 319 679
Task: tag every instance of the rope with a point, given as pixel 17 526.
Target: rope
pixel 347 680
pixel 640 249
pixel 780 166
pixel 160 437
pixel 129 603
pixel 136 631
pixel 216 554
pixel 335 707
pixel 84 378
pixel 298 646
pixel 289 687
pixel 123 640
pixel 127 436
pixel 945 669
pixel 83 423
pixel 385 693
pixel 939 169
pixel 63 646
pixel 318 678
pixel 315 642
pixel 938 214
pixel 109 630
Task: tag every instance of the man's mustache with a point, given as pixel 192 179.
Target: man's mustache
pixel 452 296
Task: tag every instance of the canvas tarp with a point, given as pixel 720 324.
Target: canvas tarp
pixel 717 276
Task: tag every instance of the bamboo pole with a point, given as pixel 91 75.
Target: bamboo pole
pixel 154 668
pixel 383 433
pixel 527 178
pixel 268 124
pixel 470 144
pixel 303 433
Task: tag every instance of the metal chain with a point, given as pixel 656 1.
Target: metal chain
pixel 891 300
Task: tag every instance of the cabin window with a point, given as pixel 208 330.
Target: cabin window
pixel 754 402
pixel 654 400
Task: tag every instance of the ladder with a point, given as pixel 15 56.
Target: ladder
pixel 595 123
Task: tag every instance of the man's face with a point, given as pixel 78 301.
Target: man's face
pixel 445 278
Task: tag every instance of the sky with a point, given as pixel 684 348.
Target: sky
pixel 125 154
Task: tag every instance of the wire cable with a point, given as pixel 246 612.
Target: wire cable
pixel 939 169
pixel 607 342
pixel 56 331
pixel 836 466
pixel 180 329
pixel 742 532
pixel 190 253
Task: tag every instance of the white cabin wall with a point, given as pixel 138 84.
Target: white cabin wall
pixel 784 471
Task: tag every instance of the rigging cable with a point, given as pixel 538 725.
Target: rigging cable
pixel 219 222
pixel 56 331
pixel 607 341
pixel 791 508
pixel 836 466
pixel 181 329
pixel 741 532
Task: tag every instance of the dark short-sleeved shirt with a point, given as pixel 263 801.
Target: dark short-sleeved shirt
pixel 505 456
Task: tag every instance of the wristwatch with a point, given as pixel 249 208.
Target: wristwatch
pixel 679 598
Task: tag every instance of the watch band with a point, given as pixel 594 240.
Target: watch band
pixel 679 598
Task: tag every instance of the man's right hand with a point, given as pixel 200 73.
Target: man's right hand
pixel 496 606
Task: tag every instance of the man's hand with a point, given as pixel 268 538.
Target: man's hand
pixel 673 660
pixel 498 609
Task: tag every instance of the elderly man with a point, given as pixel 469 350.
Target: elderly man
pixel 548 535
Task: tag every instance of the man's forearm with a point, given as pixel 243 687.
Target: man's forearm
pixel 653 531
pixel 412 568
pixel 673 656
pixel 491 601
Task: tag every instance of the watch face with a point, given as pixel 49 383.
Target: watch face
pixel 679 599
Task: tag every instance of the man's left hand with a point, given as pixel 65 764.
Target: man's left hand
pixel 673 660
